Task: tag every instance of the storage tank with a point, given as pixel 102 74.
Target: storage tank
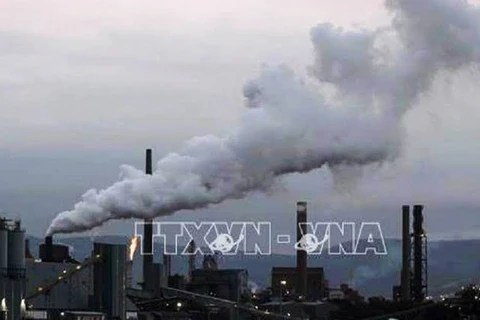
pixel 3 259
pixel 16 253
pixel 15 271
pixel 3 250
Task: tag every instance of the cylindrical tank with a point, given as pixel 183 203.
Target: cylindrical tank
pixel 16 271
pixel 16 253
pixel 3 261
pixel 3 251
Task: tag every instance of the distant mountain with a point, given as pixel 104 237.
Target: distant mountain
pixel 450 264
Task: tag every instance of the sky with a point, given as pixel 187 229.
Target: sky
pixel 87 86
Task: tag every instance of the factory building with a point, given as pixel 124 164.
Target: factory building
pixel 300 281
pixel 229 284
pixel 58 287
pixel 72 293
pixel 284 282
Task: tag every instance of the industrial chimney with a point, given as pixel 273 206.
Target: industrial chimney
pixel 301 254
pixel 167 267
pixel 148 237
pixel 419 281
pixel 191 259
pixel 406 249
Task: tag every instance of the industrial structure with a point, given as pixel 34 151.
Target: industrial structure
pixel 148 236
pixel 302 282
pixel 12 264
pixel 284 282
pixel 414 273
pixel 101 287
pixel 419 283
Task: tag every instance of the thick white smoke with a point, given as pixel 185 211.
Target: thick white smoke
pixel 287 127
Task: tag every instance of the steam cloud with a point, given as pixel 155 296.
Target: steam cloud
pixel 289 127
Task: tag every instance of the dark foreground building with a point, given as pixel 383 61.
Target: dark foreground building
pixel 284 282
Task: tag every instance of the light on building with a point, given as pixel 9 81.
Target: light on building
pixel 23 307
pixel 283 282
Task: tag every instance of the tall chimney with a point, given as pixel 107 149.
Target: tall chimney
pixel 418 285
pixel 167 265
pixel 301 254
pixel 191 259
pixel 406 249
pixel 148 237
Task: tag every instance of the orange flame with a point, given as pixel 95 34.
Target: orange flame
pixel 133 246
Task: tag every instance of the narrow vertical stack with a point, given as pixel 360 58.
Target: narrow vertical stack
pixel 406 249
pixel 301 287
pixel 148 237
pixel 419 281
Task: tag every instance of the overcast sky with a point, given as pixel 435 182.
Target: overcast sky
pixel 86 86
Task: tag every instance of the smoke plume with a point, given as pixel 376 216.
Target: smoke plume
pixel 289 127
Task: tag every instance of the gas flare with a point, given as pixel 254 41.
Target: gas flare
pixel 133 246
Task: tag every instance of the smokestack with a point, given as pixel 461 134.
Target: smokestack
pixel 166 268
pixel 301 254
pixel 148 236
pixel 49 248
pixel 419 256
pixel 191 259
pixel 406 249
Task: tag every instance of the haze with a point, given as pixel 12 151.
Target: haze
pixel 86 87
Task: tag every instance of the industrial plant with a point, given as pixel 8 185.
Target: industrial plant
pixel 57 286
